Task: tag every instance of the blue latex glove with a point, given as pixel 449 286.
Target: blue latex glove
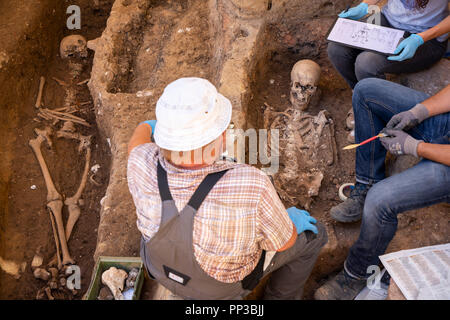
pixel 355 13
pixel 409 47
pixel 152 124
pixel 302 220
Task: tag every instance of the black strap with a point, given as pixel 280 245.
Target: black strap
pixel 204 188
pixel 163 184
pixel 199 195
pixel 251 280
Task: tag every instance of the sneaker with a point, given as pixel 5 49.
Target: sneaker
pixel 341 287
pixel 351 210
pixel 350 120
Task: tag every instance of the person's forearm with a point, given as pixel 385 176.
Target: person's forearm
pixel 438 30
pixel 142 134
pixel 439 103
pixel 435 152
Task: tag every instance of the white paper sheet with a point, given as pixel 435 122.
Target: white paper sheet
pixel 366 36
pixel 421 274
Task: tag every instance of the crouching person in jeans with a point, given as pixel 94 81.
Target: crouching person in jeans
pixel 209 226
pixel 417 125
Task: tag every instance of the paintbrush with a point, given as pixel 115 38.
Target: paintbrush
pixel 353 146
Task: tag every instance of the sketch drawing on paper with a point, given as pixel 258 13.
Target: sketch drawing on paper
pixel 367 36
pixel 361 36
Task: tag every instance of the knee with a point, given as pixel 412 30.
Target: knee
pixel 369 64
pixel 322 235
pixel 377 206
pixel 362 90
pixel 369 88
pixel 336 51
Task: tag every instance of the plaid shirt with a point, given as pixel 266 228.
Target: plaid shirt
pixel 241 216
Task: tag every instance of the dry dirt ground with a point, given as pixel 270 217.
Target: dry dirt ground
pixel 149 56
pixel 25 224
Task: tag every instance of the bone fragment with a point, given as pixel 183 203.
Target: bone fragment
pixel 83 82
pixel 40 294
pixel 41 89
pixel 63 116
pixel 333 143
pixel 57 258
pixel 48 292
pixel 37 261
pixel 114 278
pixel 60 82
pixel 54 272
pixel 91 179
pixel 56 208
pixel 42 274
pixel 35 144
pixel 11 268
pixel 73 202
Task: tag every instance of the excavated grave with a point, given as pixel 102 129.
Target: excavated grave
pixel 247 49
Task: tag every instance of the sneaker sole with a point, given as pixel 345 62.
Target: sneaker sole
pixel 345 220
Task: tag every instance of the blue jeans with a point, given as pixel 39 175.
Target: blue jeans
pixel 355 64
pixel 375 101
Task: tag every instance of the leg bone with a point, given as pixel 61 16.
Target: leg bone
pixel 56 209
pixel 72 202
pixel 41 89
pixel 54 199
pixel 55 235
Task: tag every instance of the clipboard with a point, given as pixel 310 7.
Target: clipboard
pixel 365 36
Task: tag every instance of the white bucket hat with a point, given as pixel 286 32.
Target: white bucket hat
pixel 190 114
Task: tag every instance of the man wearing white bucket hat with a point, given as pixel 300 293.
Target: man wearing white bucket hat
pixel 206 223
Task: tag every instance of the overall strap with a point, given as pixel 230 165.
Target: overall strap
pixel 204 188
pixel 199 195
pixel 163 184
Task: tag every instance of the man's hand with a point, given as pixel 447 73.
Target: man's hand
pixel 407 47
pixel 408 119
pixel 302 220
pixel 398 142
pixel 355 13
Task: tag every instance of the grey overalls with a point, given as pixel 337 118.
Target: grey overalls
pixel 169 255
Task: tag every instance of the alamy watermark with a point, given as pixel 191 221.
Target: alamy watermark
pixel 74 20
pixel 258 150
pixel 374 280
pixel 73 280
pixel 375 16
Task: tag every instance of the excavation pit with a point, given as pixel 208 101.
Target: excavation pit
pixel 246 49
pixel 32 34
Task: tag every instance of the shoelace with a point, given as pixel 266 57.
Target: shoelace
pixel 359 190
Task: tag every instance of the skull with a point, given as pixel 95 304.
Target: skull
pixel 305 77
pixel 74 46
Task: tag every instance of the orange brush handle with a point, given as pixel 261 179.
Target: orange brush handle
pixel 371 139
